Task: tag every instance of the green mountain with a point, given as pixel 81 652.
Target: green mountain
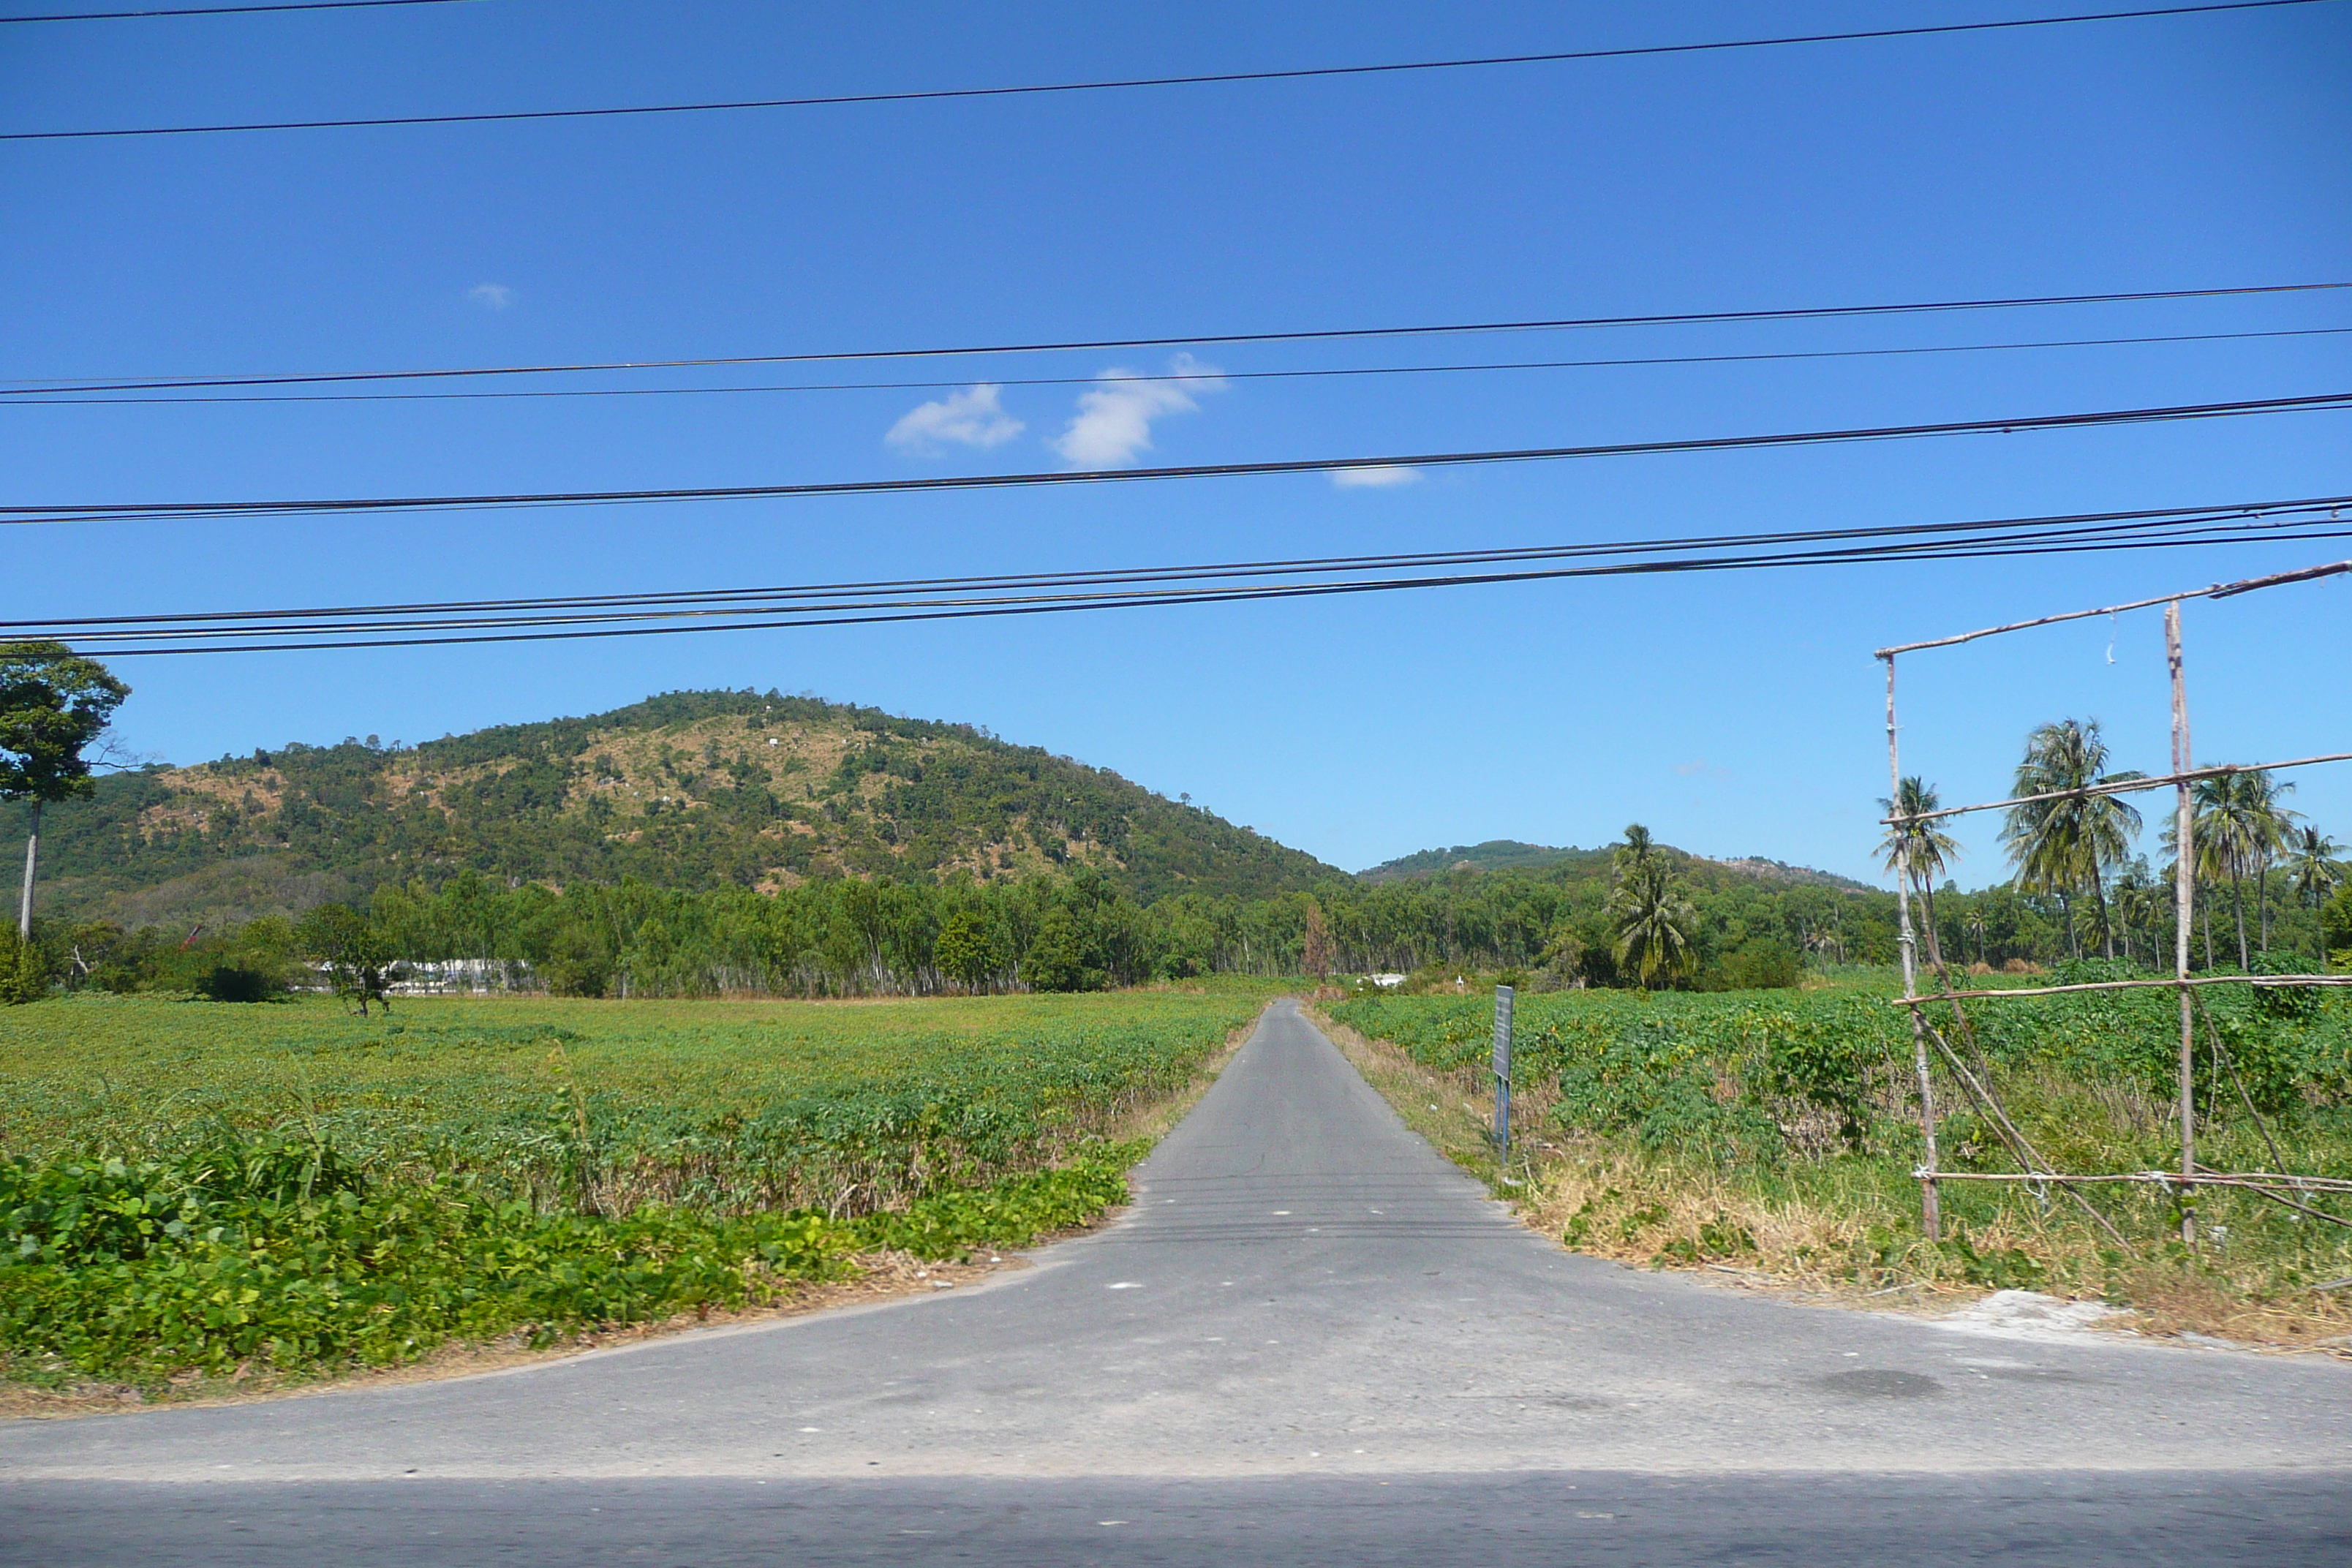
pixel 1495 855
pixel 1510 855
pixel 690 789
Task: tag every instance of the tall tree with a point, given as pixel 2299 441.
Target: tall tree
pixel 1656 926
pixel 2277 827
pixel 1918 850
pixel 2061 845
pixel 2311 860
pixel 2241 827
pixel 2139 898
pixel 54 705
pixel 1636 852
pixel 1314 948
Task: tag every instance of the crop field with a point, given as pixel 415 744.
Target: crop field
pixel 1779 1129
pixel 601 1106
pixel 194 1195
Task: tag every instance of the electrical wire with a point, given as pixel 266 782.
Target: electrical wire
pixel 2227 512
pixel 1182 597
pixel 1132 83
pixel 739 609
pixel 1200 376
pixel 61 385
pixel 152 511
pixel 223 10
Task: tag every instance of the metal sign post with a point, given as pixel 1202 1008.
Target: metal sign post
pixel 1503 1072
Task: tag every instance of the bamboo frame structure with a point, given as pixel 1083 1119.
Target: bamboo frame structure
pixel 2184 774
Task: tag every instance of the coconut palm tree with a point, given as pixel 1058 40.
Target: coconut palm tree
pixel 1656 925
pixel 2277 829
pixel 1974 924
pixel 1636 852
pixel 2061 845
pixel 2140 899
pixel 2311 860
pixel 1918 850
pixel 2241 827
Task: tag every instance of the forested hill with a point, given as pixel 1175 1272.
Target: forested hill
pixel 1495 855
pixel 1510 855
pixel 689 790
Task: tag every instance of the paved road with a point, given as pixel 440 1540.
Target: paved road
pixel 1311 1340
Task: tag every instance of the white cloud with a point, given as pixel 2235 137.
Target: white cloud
pixel 1386 476
pixel 492 296
pixel 1114 419
pixel 969 418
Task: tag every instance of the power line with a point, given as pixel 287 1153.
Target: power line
pixel 1176 376
pixel 197 510
pixel 2230 512
pixel 1129 83
pixel 223 10
pixel 1201 584
pixel 965 598
pixel 1323 334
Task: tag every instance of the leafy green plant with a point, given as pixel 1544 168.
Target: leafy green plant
pixel 276 1254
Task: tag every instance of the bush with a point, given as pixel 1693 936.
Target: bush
pixel 276 1254
pixel 1652 1082
pixel 231 983
pixel 23 970
pixel 1819 1063
pixel 1760 963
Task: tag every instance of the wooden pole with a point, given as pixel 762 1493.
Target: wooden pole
pixel 2184 896
pixel 1930 1208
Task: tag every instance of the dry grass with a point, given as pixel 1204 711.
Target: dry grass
pixel 1156 1118
pixel 1839 1235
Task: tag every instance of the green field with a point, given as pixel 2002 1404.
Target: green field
pixel 197 1192
pixel 727 1107
pixel 1779 1129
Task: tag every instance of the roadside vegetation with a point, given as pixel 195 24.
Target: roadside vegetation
pixel 196 1194
pixel 1775 1133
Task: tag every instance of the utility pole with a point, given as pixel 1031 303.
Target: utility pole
pixel 1503 998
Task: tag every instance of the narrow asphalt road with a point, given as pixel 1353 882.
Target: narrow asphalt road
pixel 1310 1340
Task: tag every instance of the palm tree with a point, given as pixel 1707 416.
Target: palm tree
pixel 1918 850
pixel 2277 825
pixel 2138 899
pixel 2060 844
pixel 1975 926
pixel 1655 923
pixel 2241 827
pixel 1637 851
pixel 2203 872
pixel 2310 861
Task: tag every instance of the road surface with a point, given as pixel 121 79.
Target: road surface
pixel 1310 1340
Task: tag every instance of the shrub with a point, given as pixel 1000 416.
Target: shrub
pixel 232 983
pixel 275 1253
pixel 23 970
pixel 1760 963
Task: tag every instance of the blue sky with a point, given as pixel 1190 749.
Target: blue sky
pixel 1736 715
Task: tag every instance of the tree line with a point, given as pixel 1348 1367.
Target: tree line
pixel 1641 914
pixel 2078 851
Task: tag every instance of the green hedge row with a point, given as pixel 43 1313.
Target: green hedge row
pixel 275 1254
